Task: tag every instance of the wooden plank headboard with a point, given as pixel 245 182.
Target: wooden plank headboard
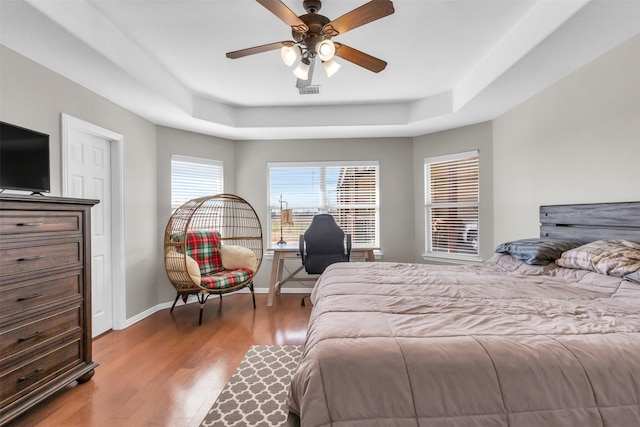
pixel 589 222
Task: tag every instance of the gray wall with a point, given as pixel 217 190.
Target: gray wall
pixel 173 141
pixel 34 97
pixel 396 182
pixel 578 141
pixel 468 138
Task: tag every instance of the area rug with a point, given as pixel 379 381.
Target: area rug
pixel 256 394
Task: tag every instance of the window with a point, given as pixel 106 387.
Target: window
pixel 346 190
pixel 451 205
pixel 193 177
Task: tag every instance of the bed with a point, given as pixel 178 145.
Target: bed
pixel 500 343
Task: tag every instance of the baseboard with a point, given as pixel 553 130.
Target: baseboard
pixel 138 317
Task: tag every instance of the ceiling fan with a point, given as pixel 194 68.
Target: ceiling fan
pixel 312 34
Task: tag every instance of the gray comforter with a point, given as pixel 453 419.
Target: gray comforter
pixel 496 344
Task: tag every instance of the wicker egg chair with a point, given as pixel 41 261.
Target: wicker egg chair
pixel 221 237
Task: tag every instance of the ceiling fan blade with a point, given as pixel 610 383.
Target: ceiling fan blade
pixel 301 84
pixel 364 14
pixel 285 14
pixel 360 58
pixel 259 49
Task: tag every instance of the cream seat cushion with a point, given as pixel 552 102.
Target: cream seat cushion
pixel 174 262
pixel 235 256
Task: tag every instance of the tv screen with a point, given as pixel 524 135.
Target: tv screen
pixel 24 159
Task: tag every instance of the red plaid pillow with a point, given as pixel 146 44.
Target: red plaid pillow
pixel 204 248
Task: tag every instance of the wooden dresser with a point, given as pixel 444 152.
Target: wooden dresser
pixel 45 298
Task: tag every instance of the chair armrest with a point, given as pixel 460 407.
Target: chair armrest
pixel 348 236
pixel 301 247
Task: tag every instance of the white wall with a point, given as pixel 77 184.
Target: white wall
pixel 396 183
pixel 578 141
pixel 34 97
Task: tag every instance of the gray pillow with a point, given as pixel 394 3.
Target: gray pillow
pixel 537 251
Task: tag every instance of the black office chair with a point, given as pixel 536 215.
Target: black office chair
pixel 323 244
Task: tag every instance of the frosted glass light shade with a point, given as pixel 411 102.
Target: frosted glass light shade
pixel 302 70
pixel 330 67
pixel 326 49
pixel 290 54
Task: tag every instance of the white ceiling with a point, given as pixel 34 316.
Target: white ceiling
pixel 450 62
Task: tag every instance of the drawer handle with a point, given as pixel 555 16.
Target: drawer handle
pixel 31 375
pixel 30 258
pixel 30 337
pixel 30 297
pixel 30 224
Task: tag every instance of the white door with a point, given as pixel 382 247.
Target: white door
pixel 89 177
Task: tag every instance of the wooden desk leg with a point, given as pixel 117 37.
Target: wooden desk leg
pixel 279 281
pixel 370 257
pixel 274 275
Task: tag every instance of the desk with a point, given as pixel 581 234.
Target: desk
pixel 282 253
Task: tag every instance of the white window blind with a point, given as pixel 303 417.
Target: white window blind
pixel 348 191
pixel 194 177
pixel 452 200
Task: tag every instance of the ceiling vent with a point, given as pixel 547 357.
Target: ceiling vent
pixel 309 90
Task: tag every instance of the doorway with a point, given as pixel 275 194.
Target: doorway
pixel 92 168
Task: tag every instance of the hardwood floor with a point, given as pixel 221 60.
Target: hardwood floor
pixel 166 370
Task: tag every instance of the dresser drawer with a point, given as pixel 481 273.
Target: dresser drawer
pixel 19 258
pixel 29 222
pixel 38 293
pixel 17 382
pixel 32 332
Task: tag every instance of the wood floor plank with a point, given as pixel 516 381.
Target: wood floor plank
pixel 166 370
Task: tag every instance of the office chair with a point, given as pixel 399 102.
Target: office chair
pixel 323 244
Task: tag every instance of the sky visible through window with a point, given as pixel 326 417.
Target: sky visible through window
pixel 301 186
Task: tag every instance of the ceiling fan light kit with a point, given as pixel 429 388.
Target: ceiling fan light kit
pixel 326 49
pixel 302 70
pixel 290 54
pixel 312 35
pixel 330 67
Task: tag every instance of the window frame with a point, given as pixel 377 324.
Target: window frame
pixel 428 237
pixel 316 164
pixel 195 160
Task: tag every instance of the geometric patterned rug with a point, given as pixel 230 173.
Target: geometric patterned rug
pixel 256 394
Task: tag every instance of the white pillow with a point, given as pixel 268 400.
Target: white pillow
pixel 234 257
pixel 174 264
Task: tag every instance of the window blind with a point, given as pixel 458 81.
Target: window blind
pixel 348 191
pixel 194 177
pixel 452 199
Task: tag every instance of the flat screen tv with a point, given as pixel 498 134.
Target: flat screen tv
pixel 24 159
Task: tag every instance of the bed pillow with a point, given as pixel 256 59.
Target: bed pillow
pixel 536 251
pixel 235 256
pixel 610 256
pixel 633 277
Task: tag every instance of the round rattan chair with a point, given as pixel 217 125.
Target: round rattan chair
pixel 212 245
